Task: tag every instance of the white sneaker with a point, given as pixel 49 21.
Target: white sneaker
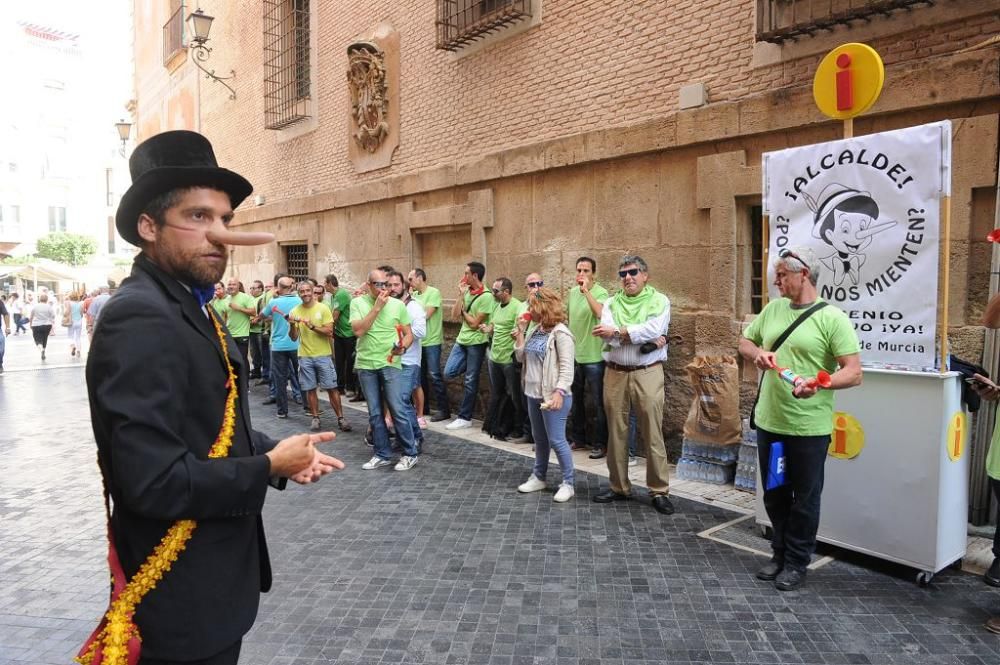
pixel 375 463
pixel 458 423
pixel 314 424
pixel 532 484
pixel 422 422
pixel 406 463
pixel 564 493
pixel 632 461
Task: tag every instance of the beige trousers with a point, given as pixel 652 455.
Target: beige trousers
pixel 642 392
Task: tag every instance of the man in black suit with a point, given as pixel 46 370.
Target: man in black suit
pixel 158 377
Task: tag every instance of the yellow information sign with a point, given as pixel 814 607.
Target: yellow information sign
pixel 848 436
pixel 848 81
pixel 955 443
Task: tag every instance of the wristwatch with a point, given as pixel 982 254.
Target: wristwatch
pixel 617 334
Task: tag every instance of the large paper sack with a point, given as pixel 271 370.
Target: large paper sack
pixel 715 411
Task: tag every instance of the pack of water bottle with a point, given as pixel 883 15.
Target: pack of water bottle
pixel 709 452
pixel 746 467
pixel 691 468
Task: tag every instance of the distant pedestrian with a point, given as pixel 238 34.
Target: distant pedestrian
pixel 73 314
pixel 98 303
pixel 41 321
pixel 17 311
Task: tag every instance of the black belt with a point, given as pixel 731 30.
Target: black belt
pixel 627 368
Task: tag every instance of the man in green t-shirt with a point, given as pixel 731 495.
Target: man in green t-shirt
pixel 256 330
pixel 312 325
pixel 584 305
pixel 430 365
pixel 220 302
pixel 339 301
pixel 505 379
pixel 241 307
pixel 799 419
pixel 382 326
pixel 472 307
pixel 990 391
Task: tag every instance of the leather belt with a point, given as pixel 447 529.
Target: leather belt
pixel 627 368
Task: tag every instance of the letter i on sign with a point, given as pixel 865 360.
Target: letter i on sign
pixel 840 436
pixel 956 450
pixel 845 87
pixel 956 435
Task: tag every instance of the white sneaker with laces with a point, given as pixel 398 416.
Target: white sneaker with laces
pixel 532 484
pixel 458 423
pixel 564 493
pixel 375 463
pixel 406 462
pixel 632 461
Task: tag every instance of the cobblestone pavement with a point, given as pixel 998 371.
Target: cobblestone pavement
pixel 446 563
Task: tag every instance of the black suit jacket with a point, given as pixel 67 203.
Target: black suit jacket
pixel 156 380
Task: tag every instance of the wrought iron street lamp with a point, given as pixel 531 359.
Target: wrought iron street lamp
pixel 200 24
pixel 124 131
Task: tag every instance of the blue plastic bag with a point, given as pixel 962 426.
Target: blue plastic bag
pixel 776 466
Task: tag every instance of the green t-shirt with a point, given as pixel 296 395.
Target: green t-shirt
pixel 374 346
pixel 257 304
pixel 815 345
pixel 313 344
pixel 341 302
pixel 504 318
pixel 582 322
pixel 221 307
pixel 431 298
pixel 238 322
pixel 476 305
pixel 993 456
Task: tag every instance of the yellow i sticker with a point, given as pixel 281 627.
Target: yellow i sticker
pixel 848 437
pixel 955 442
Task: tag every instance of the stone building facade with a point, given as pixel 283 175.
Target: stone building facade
pixel 563 134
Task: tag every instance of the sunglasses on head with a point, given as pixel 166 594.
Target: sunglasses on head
pixel 379 285
pixel 632 272
pixel 789 254
pixel 532 285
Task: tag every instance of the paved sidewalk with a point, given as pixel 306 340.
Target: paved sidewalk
pixel 446 563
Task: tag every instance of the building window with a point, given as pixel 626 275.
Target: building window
pixel 757 271
pixel 173 31
pixel 14 221
pixel 111 234
pixel 57 219
pixel 109 195
pixel 781 20
pixel 286 62
pixel 3 228
pixel 297 261
pixel 460 22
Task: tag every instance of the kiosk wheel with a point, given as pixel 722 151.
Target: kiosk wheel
pixel 924 578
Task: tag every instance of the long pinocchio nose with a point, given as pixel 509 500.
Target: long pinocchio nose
pixel 873 229
pixel 220 234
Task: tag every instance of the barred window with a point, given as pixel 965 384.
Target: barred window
pixel 297 261
pixel 286 62
pixel 460 22
pixel 173 31
pixel 781 20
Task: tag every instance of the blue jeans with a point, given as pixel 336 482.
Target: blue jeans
pixel 589 375
pixel 3 348
pixel 265 354
pixel 468 359
pixel 284 366
pixel 20 322
pixel 411 381
pixel 387 383
pixel 549 430
pixel 633 434
pixel 431 376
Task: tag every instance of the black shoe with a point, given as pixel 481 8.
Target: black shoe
pixel 769 572
pixel 439 416
pixel 269 400
pixel 358 397
pixel 598 453
pixel 262 382
pixel 662 505
pixel 789 579
pixel 607 496
pixel 992 576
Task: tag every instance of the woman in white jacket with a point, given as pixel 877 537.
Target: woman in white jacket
pixel 547 351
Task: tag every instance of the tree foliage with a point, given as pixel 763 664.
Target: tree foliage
pixel 69 248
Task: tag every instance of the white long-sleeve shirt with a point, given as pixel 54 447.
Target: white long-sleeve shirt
pixel 629 355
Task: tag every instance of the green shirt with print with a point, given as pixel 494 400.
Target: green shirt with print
pixel 475 305
pixel 431 298
pixel 221 307
pixel 238 322
pixel 815 345
pixel 342 304
pixel 504 318
pixel 582 321
pixel 993 456
pixel 257 304
pixel 313 344
pixel 376 344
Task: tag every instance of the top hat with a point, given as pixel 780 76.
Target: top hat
pixel 168 161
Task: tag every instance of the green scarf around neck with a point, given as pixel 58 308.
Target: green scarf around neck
pixel 630 310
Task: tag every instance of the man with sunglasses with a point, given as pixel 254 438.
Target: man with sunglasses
pixel 633 326
pixel 799 419
pixel 505 379
pixel 377 320
pixel 584 306
pixel 472 308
